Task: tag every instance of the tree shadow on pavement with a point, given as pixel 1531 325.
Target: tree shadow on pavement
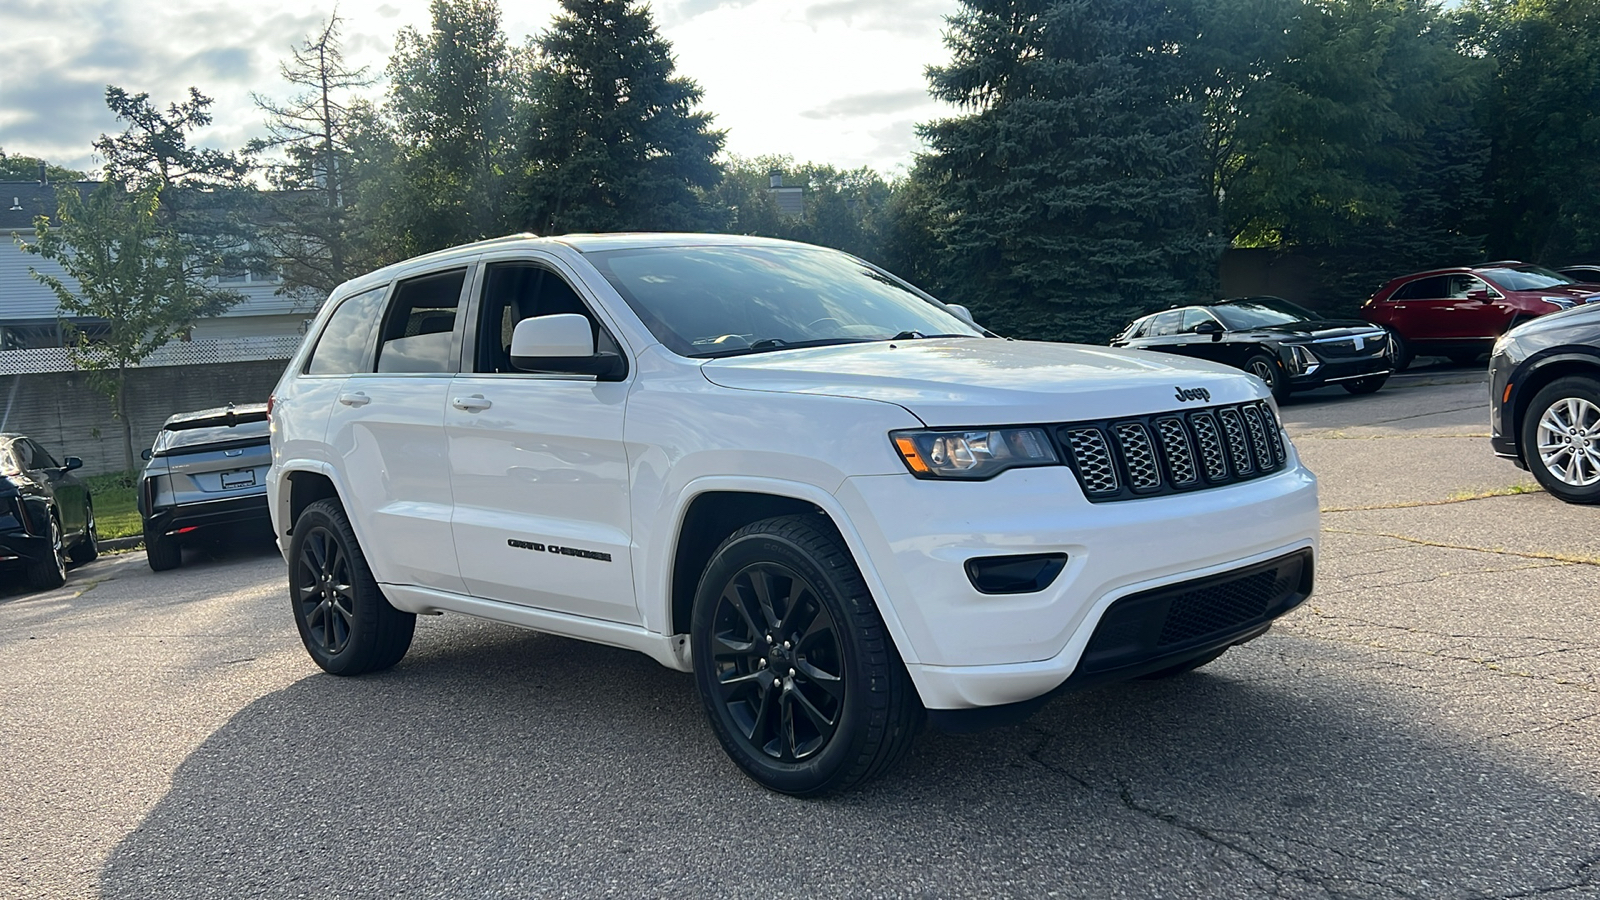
pixel 498 763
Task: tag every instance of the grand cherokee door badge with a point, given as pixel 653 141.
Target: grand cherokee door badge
pixel 563 551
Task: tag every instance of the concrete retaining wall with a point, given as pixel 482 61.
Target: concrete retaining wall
pixel 62 411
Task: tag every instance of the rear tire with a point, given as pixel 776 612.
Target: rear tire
pixel 51 572
pixel 1400 352
pixel 795 668
pixel 1560 439
pixel 345 622
pixel 1368 385
pixel 162 552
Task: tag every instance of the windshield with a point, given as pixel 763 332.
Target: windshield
pixel 1526 278
pixel 168 442
pixel 721 301
pixel 1259 312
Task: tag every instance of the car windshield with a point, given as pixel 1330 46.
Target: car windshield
pixel 1258 312
pixel 1526 278
pixel 727 300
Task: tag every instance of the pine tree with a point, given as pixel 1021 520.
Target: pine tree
pixel 453 94
pixel 612 140
pixel 1071 193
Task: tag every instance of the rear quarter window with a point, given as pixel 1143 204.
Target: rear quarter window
pixel 346 340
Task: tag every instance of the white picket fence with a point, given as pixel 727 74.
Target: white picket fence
pixel 176 353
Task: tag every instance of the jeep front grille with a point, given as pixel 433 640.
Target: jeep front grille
pixel 1170 452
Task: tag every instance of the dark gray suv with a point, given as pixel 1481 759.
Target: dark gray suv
pixel 207 468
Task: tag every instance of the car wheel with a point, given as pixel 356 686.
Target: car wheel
pixel 1270 371
pixel 344 620
pixel 1180 668
pixel 1400 352
pixel 1561 439
pixel 1368 385
pixel 51 572
pixel 88 547
pixel 795 667
pixel 162 552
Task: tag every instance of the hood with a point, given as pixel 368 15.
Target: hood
pixel 1323 328
pixel 989 381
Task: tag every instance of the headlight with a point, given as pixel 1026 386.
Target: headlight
pixel 1560 302
pixel 972 454
pixel 1500 345
pixel 1302 360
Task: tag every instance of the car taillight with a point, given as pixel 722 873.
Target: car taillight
pixel 271 399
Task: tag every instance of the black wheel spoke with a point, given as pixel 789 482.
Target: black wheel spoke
pixel 734 597
pixel 830 684
pixel 730 646
pixel 787 747
pixel 761 584
pixel 822 723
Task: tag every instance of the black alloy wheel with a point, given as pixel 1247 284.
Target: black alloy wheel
pixel 345 622
pixel 794 665
pixel 49 573
pixel 1367 385
pixel 1269 371
pixel 778 662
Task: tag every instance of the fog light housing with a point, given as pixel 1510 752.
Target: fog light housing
pixel 1019 574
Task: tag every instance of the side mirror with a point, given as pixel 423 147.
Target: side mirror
pixel 72 462
pixel 1208 327
pixel 562 343
pixel 145 454
pixel 963 314
pixel 1480 296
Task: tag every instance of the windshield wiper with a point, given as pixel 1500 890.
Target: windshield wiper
pixel 919 336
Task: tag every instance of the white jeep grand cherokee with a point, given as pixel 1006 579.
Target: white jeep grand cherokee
pixel 835 500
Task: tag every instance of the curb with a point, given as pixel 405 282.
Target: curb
pixel 112 545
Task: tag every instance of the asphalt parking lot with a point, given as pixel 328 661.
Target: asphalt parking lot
pixel 1426 726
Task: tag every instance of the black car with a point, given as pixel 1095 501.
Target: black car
pixel 207 468
pixel 1289 347
pixel 46 514
pixel 1544 401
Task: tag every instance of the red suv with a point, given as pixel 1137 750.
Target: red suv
pixel 1458 313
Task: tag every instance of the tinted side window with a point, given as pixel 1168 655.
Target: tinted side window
pixel 41 457
pixel 1165 324
pixel 1193 317
pixel 24 456
pixel 418 331
pixel 1424 289
pixel 516 291
pixel 342 348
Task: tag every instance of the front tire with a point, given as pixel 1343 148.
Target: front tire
pixel 1561 439
pixel 51 572
pixel 795 668
pixel 1271 372
pixel 345 622
pixel 88 547
pixel 1368 385
pixel 1400 352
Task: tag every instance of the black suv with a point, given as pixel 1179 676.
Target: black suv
pixel 1289 347
pixel 1544 401
pixel 46 514
pixel 207 468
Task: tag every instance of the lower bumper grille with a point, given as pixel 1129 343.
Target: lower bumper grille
pixel 1200 614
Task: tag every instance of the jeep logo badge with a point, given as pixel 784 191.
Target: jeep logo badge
pixel 1187 394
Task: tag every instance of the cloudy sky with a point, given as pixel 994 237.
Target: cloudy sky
pixel 836 81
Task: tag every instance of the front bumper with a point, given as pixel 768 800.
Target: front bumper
pixel 1340 371
pixel 16 546
pixel 966 649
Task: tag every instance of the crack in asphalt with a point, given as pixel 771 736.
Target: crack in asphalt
pixel 1489 664
pixel 1583 872
pixel 1511 491
pixel 1500 551
pixel 1371 587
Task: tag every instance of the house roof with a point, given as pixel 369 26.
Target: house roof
pixel 21 201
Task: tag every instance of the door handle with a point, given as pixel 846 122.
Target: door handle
pixel 474 403
pixel 355 398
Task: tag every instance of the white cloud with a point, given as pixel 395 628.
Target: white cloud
pixel 837 82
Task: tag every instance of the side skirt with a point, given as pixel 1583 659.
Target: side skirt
pixel 664 649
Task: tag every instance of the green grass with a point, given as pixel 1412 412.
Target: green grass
pixel 116 508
